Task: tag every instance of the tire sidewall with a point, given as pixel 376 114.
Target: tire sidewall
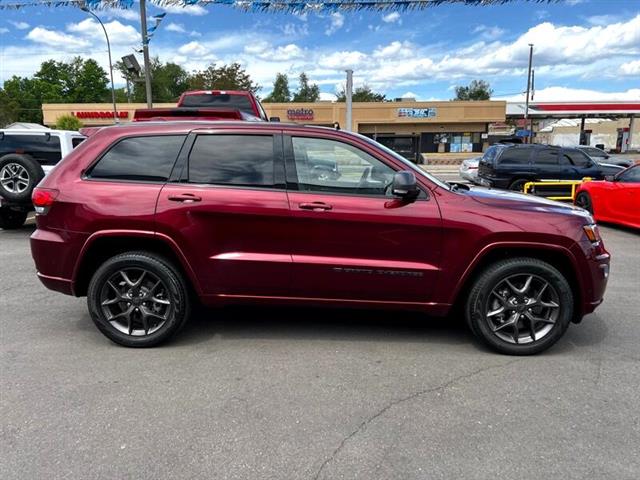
pixel 588 205
pixel 33 168
pixel 165 272
pixel 491 278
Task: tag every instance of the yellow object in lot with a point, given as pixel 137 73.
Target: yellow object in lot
pixel 530 187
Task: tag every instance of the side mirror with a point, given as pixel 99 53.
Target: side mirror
pixel 274 119
pixel 405 185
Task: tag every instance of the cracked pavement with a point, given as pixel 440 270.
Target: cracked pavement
pixel 314 394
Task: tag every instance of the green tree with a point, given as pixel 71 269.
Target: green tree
pixel 68 122
pixel 225 77
pixel 9 109
pixel 280 92
pixel 306 92
pixel 25 99
pixel 362 94
pixel 476 90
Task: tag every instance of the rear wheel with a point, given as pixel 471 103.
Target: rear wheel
pixel 520 306
pixel 12 219
pixel 138 299
pixel 518 185
pixel 583 200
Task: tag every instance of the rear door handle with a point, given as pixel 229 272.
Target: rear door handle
pixel 185 197
pixel 315 206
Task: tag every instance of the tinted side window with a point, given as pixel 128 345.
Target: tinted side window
pixel 594 152
pixel 578 158
pixel 329 166
pixel 42 147
pixel 75 141
pixel 490 154
pixel 139 158
pixel 630 176
pixel 515 156
pixel 242 160
pixel 546 157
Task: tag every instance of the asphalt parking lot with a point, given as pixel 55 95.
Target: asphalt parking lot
pixel 304 394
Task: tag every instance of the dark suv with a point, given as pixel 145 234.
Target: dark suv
pixel 147 218
pixel 511 166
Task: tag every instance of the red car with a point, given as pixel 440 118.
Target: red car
pixel 147 218
pixel 614 200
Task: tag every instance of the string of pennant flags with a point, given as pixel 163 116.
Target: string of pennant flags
pixel 290 6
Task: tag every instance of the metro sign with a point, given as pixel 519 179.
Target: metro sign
pixel 300 114
pixel 100 115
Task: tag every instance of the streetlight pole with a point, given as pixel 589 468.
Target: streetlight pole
pixel 526 104
pixel 84 8
pixel 145 52
pixel 348 98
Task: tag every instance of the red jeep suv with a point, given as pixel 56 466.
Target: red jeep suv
pixel 145 219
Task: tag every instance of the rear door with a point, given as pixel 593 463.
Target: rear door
pixel 228 212
pixel 350 239
pixel 547 164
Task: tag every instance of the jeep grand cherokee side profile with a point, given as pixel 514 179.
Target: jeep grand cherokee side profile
pixel 145 219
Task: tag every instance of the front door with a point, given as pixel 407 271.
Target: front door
pixel 229 213
pixel 350 239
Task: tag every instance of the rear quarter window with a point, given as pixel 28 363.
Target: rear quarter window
pixel 515 156
pixel 139 158
pixel 44 148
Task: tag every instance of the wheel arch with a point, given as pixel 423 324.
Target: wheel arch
pixel 559 257
pixel 103 245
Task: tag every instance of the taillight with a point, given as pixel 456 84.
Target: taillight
pixel 43 198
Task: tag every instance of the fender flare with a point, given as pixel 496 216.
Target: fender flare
pixel 168 241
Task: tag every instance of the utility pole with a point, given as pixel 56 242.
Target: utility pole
pixel 348 95
pixel 526 105
pixel 145 52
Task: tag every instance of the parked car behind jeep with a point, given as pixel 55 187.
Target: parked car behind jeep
pixel 145 219
pixel 512 166
pixel 26 156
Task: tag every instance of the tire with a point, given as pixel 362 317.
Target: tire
pixel 499 329
pixel 19 174
pixel 583 200
pixel 518 185
pixel 12 219
pixel 138 316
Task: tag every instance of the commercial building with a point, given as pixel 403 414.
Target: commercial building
pixel 408 127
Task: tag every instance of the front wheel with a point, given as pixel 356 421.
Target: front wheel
pixel 138 299
pixel 583 200
pixel 520 306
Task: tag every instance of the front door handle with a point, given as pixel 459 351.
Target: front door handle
pixel 185 197
pixel 315 206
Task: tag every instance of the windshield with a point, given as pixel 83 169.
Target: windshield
pixel 409 164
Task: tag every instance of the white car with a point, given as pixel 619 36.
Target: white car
pixel 27 154
pixel 469 169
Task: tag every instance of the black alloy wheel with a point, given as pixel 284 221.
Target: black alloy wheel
pixel 138 299
pixel 520 306
pixel 583 200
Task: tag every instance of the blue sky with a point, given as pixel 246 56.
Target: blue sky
pixel 585 49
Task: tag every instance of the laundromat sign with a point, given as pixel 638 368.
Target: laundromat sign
pixel 300 114
pixel 417 112
pixel 100 115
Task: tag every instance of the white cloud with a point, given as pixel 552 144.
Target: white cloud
pixel 337 22
pixel 175 27
pixel 409 95
pixel 565 94
pixel 193 48
pixel 394 50
pixel 631 68
pixel 328 97
pixel 196 10
pixel 118 32
pixel 55 39
pixel 488 33
pixel 3 30
pixel 342 60
pixel 130 15
pixel 19 25
pixel 392 17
